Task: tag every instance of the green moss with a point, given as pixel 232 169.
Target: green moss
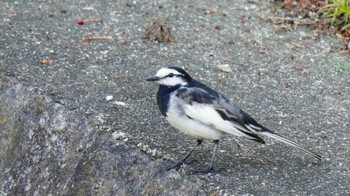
pixel 2 154
pixel 3 117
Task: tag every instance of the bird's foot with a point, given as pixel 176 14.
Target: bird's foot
pixel 180 163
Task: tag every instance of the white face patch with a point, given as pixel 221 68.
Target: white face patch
pixel 170 81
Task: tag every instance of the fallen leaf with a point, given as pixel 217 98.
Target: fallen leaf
pixel 94 38
pixel 224 68
pixel 159 30
pixel 121 76
pixel 217 27
pixel 123 42
pixel 46 62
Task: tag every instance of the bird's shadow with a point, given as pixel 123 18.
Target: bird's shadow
pixel 257 160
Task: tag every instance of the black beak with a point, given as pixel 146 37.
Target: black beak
pixel 155 78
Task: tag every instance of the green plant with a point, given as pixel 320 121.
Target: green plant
pixel 339 12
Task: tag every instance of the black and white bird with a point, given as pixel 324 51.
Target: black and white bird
pixel 199 111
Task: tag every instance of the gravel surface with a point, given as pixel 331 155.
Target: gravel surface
pixel 295 82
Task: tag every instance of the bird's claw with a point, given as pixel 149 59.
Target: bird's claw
pixel 179 164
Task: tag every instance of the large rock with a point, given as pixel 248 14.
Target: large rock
pixel 49 149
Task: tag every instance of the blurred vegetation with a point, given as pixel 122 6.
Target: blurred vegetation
pixel 339 12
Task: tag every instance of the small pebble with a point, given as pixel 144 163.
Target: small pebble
pixel 120 103
pixel 109 97
pixel 118 135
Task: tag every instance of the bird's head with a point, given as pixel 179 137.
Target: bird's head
pixel 171 76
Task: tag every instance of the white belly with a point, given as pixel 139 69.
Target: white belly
pixel 180 121
pixel 197 130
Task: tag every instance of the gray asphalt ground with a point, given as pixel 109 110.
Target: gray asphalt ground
pixel 292 82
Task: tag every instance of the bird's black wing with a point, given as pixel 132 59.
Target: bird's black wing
pixel 215 110
pixel 195 95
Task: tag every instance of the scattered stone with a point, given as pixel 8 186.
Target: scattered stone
pixel 109 97
pixel 120 103
pixel 118 135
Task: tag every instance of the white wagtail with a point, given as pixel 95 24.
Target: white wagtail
pixel 203 113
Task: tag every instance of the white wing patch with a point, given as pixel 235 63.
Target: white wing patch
pixel 254 127
pixel 189 125
pixel 206 114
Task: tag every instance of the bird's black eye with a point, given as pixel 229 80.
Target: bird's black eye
pixel 171 75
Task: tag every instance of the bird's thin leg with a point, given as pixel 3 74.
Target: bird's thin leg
pixel 182 161
pixel 216 145
pixel 211 166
